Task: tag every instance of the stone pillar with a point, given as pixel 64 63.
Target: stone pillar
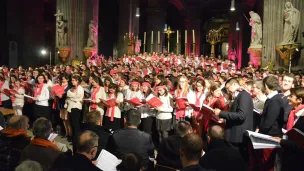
pixel 78 14
pixel 156 22
pixel 273 31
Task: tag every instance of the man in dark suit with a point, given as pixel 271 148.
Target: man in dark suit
pixel 221 155
pixel 240 117
pixel 272 120
pixel 168 150
pixel 86 146
pixel 287 84
pixel 131 140
pixel 92 123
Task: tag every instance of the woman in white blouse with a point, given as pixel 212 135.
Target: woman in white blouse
pixel 4 99
pixel 112 118
pixel 74 105
pixel 41 98
pixel 18 99
pixel 97 94
pixel 164 113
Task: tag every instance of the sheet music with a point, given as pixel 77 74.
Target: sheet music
pixel 261 141
pixel 1 128
pixel 107 161
pixel 52 136
pixel 25 95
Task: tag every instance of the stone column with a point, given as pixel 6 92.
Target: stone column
pixel 196 26
pixel 273 31
pixel 78 14
pixel 156 22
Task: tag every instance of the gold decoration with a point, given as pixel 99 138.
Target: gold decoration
pixel 286 52
pixel 269 66
pixel 213 37
pixel 63 53
pixel 88 52
pixel 168 32
pixel 130 40
pixel 76 62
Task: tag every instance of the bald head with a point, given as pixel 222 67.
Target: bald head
pixel 216 132
pixel 18 122
pixel 86 141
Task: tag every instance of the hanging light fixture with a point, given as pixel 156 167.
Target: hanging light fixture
pixel 232 8
pixel 237 26
pixel 137 12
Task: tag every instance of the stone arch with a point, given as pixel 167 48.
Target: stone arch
pixel 181 6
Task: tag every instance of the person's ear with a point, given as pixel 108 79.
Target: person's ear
pixel 300 100
pixel 93 152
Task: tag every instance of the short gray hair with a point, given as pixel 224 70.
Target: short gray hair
pixel 18 122
pixel 29 165
pixel 42 128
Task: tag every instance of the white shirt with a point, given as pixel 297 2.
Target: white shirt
pixel 43 98
pixel 5 86
pixel 74 99
pixel 165 109
pixel 99 95
pixel 269 96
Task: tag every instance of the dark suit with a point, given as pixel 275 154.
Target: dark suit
pixel 102 132
pixel 239 119
pixel 272 117
pixel 222 156
pixel 131 140
pixel 287 109
pixel 168 152
pixel 293 155
pixel 78 162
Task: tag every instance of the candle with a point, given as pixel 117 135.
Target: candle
pixel 185 36
pixel 152 37
pixel 177 36
pixel 158 37
pixel 193 36
pixel 145 34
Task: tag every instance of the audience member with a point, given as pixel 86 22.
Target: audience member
pixel 40 148
pixel 168 150
pixel 92 123
pixel 13 140
pixel 190 152
pixel 131 139
pixel 29 165
pixel 86 146
pixel 221 155
pixel 130 162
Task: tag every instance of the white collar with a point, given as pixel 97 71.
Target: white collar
pixel 269 96
pixel 300 113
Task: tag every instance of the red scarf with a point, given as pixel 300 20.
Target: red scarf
pixel 14 98
pixel 95 91
pixel 43 143
pixel 180 113
pixel 112 109
pixel 197 102
pixel 292 117
pixel 1 85
pixel 36 91
pixel 56 99
pixel 11 132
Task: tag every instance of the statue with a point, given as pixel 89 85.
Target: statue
pixel 291 24
pixel 256 30
pixel 92 40
pixel 60 25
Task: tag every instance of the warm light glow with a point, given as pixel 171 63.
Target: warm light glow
pixel 43 52
pixel 297 49
pixel 232 8
pixel 58 52
pixel 137 12
pixel 237 26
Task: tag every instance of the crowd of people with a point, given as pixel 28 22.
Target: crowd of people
pixel 97 110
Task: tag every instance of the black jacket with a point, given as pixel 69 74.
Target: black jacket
pixel 222 156
pixel 77 162
pixel 287 109
pixel 168 152
pixel 45 156
pixel 293 155
pixel 102 132
pixel 273 116
pixel 10 151
pixel 239 119
pixel 131 140
pixel 194 168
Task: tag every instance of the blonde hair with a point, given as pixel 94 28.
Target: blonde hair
pixel 186 88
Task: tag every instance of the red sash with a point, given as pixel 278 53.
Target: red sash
pixel 44 143
pixel 38 92
pixel 14 98
pixel 111 111
pixel 180 113
pixel 11 132
pixel 197 103
pixel 1 85
pixel 95 91
pixel 292 117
